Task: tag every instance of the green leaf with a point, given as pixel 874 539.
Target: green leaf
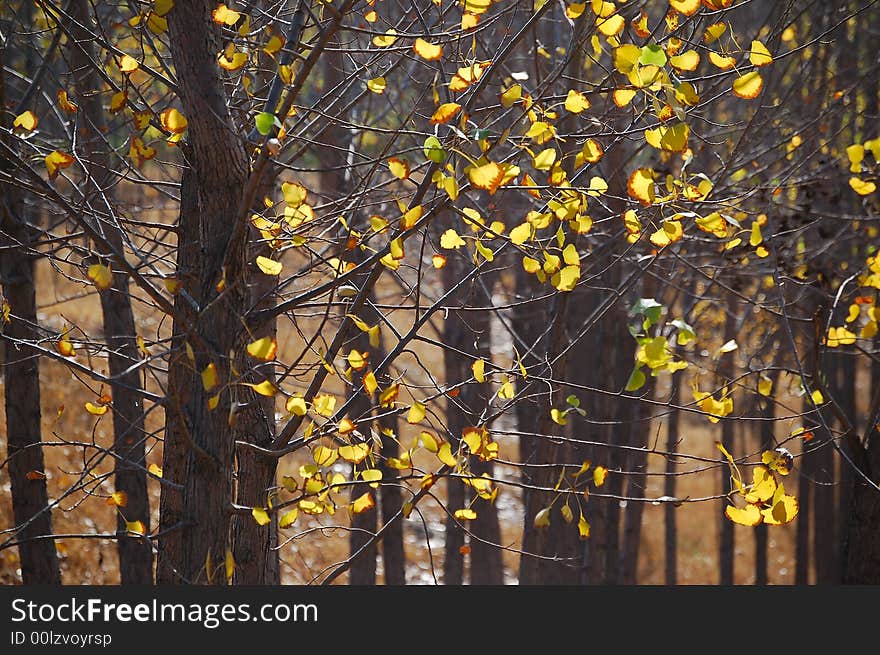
pixel 265 121
pixel 650 308
pixel 652 55
pixel 636 380
pixel 573 400
pixel 480 134
pixel 434 150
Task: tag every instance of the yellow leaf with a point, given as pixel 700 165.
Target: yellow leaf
pixel 765 385
pixel 479 368
pixel 558 416
pixel 363 503
pixel 511 95
pixel 373 476
pixel 487 177
pixel 355 453
pixel 117 101
pixel 230 566
pixel 101 276
pixel 57 160
pixel 749 516
pixel 817 397
pixel 232 61
pixel 155 469
pixel 669 232
pixel 783 509
pixel 611 26
pixel 544 159
pixel 264 388
pixel 473 437
pixel 686 61
pixel 64 102
pixel 506 391
pixel 445 113
pixel 136 527
pixel 672 138
pixel 686 7
pixel 583 528
pixel 325 404
pixel 377 85
pixel 600 473
pixel 296 405
pixel 759 55
pixel 385 40
pixel 26 121
pixel 324 456
pixel 263 349
pixel 225 16
pixel 542 518
pixel 576 102
pixel 261 516
pixel 387 397
pixel 465 514
pixel 269 266
pixel 591 152
pixel 209 377
pixel 173 121
pixel 622 97
pixel 541 132
pixel 568 278
pixel 862 187
pixel 274 44
pixel 451 240
pixel 128 64
pixel 429 442
pixel 714 32
pixel 521 233
pixel 748 86
pixel 96 410
pixel 640 185
pixel 416 413
pixel 399 168
pixel 444 454
pixel 427 51
pixel 763 486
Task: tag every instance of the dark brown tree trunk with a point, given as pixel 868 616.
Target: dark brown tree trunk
pixel 256 560
pixel 670 527
pixel 30 498
pixel 486 567
pixel 135 554
pixel 211 195
pixel 824 505
pixel 768 442
pixel 725 541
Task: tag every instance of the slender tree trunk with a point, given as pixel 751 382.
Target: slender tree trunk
pixel 135 554
pixel 219 170
pixel 486 566
pixel 670 527
pixel 726 544
pixel 765 432
pixel 823 496
pixel 30 498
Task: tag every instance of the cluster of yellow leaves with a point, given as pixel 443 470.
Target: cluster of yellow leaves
pixel 861 182
pixel 715 408
pixel 765 498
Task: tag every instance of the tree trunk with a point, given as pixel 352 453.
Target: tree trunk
pixel 768 442
pixel 135 554
pixel 486 566
pixel 219 170
pixel 670 527
pixel 726 545
pixel 30 498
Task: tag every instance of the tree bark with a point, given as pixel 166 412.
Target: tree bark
pixel 135 554
pixel 213 192
pixel 30 497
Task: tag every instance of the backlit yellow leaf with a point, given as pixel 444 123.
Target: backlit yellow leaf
pixel 173 121
pixel 225 16
pixel 96 410
pixel 363 503
pixel 426 50
pixel 416 413
pixel 128 64
pixel 465 514
pixel 576 102
pixel 600 474
pixel 377 85
pixel 264 388
pixel 862 187
pixel 385 40
pixel 26 121
pixel 399 168
pixel 450 239
pixel 269 266
pixel 640 185
pixel 354 453
pixel 209 377
pixel 64 102
pixel 759 55
pixel 263 349
pixel 479 368
pixel 55 161
pixel 445 113
pixel 100 276
pixel 261 516
pixel 488 176
pixel 749 516
pixel 748 86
